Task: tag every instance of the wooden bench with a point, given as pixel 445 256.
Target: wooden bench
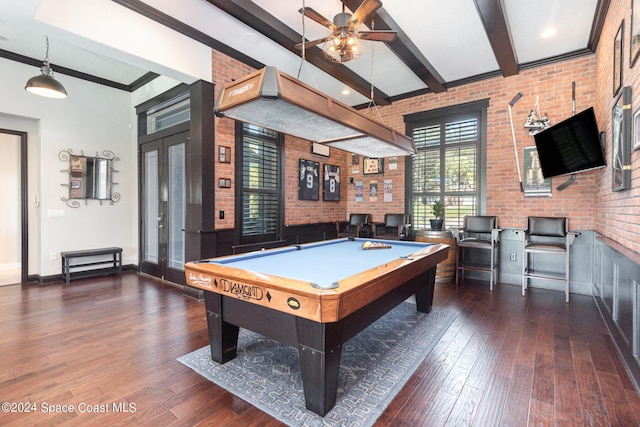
pixel 114 261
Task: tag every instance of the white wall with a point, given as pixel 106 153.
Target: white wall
pixel 93 118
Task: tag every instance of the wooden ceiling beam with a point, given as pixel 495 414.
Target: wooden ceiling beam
pixel 266 24
pixel 404 48
pixel 496 26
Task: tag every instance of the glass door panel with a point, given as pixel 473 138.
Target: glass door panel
pixel 163 207
pixel 177 206
pixel 151 199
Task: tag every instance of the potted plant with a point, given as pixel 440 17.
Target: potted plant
pixel 437 209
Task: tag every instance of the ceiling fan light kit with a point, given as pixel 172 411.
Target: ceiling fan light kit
pixel 343 48
pixel 277 101
pixel 45 84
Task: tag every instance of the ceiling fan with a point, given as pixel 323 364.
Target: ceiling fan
pixel 344 42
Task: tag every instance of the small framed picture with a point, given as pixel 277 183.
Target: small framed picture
pixel 224 183
pixel 372 166
pixel 224 154
pixel 635 32
pixel 618 59
pixel 636 129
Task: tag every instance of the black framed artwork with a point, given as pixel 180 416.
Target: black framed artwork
pixel 309 185
pixel 634 44
pixel 621 141
pixel 372 166
pixel 618 59
pixel 331 183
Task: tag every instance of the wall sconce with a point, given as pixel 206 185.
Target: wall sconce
pixel 45 84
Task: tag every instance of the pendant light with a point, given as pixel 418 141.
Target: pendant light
pixel 45 84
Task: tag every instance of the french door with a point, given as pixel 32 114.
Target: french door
pixel 163 207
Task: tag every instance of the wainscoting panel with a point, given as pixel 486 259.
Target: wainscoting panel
pixel 510 258
pixel 616 291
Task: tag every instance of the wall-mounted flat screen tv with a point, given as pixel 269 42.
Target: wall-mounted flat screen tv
pixel 570 146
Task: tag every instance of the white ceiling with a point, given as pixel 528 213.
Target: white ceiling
pixel 105 39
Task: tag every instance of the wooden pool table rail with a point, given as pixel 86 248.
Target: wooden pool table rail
pixel 300 298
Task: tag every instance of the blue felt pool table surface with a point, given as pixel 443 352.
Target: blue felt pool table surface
pixel 324 263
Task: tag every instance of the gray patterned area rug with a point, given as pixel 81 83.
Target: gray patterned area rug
pixel 374 366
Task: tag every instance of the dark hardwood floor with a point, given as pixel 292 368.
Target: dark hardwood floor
pixel 111 343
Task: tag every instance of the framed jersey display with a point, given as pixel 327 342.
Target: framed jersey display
pixel 309 185
pixel 331 183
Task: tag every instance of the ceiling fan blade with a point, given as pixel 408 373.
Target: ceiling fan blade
pixel 364 12
pixel 378 35
pixel 312 14
pixel 313 43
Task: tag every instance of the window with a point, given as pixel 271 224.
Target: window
pixel 169 113
pixel 261 189
pixel 449 163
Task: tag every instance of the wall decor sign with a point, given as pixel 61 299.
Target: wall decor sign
pixel 373 191
pixel 309 185
pixel 388 190
pixel 621 141
pixel 372 166
pixel 320 149
pixel 359 192
pixel 618 59
pixel 331 183
pixel 535 184
pixel 635 32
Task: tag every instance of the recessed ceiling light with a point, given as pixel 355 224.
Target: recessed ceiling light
pixel 346 92
pixel 251 38
pixel 548 32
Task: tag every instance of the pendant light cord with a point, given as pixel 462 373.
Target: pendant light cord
pixel 304 49
pixel 372 103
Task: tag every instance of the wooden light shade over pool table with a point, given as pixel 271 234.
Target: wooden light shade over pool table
pixel 277 101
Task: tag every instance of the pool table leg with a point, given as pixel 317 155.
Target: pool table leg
pixel 223 336
pixel 320 347
pixel 424 296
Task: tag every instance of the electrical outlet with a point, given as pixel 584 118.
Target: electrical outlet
pixel 53 256
pixel 513 257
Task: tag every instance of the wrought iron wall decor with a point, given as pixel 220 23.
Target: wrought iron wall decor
pixel 89 178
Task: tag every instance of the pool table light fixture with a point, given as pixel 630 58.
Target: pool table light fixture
pixel 275 100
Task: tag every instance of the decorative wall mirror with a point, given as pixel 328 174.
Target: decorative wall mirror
pixel 89 177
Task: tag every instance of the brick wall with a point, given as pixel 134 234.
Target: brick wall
pixel 310 211
pixel 225 70
pixel 589 203
pixel 552 85
pixel 616 213
pixel 378 207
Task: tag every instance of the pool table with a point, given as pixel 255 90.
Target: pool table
pixel 314 296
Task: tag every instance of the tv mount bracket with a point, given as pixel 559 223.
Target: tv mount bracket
pixel 567 182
